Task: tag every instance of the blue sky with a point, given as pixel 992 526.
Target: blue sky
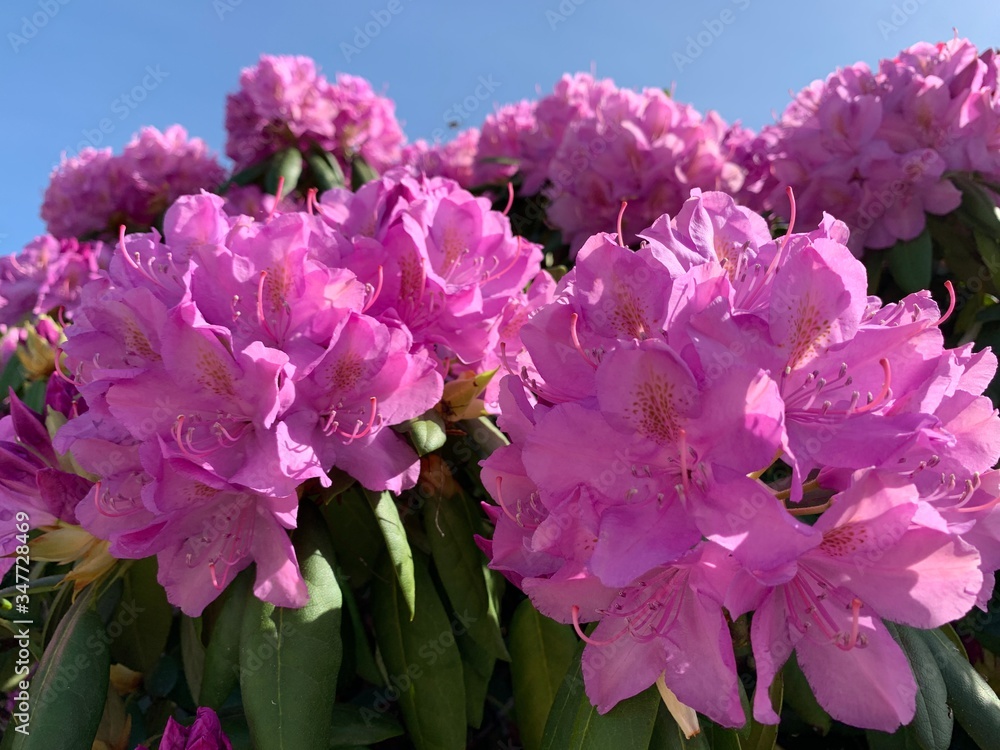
pixel 66 65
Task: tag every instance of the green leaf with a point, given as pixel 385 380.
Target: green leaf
pixel 976 706
pixel 874 262
pixel 192 654
pixel 421 657
pixel 903 739
pixel 988 247
pixel 763 736
pixel 222 654
pixel 427 432
pixel 361 172
pixel 287 164
pixel 356 638
pixel 911 262
pixel 145 616
pixel 477 669
pixel 541 652
pixel 290 658
pixel 354 725
pixel 69 688
pixel 450 529
pixel 485 435
pixel 575 724
pixel 932 724
pixel 251 174
pixel 799 695
pixel 391 526
pixel 356 536
pixel 325 169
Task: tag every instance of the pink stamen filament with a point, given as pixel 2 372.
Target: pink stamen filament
pixel 576 340
pixel 184 442
pixel 513 262
pixel 277 198
pixel 791 216
pixel 883 394
pixel 510 198
pixel 358 432
pixel 235 554
pixel 853 639
pixel 951 303
pixel 985 506
pixel 376 292
pixel 583 636
pixel 621 214
pixel 503 505
pixel 311 200
pixel 682 447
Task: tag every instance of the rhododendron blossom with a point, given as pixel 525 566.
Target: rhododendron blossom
pixel 643 488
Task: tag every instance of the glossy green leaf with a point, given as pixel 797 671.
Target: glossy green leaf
pixel 287 164
pixel 911 262
pixel 360 725
pixel 575 724
pixel 356 638
pixel 976 706
pixel 192 654
pixel 222 654
pixel 988 247
pixel 290 658
pixel 932 724
pixel 251 174
pixel 541 652
pixel 485 435
pixel 426 432
pixel 422 659
pixel 145 616
pixel 874 262
pixel 361 172
pixel 70 685
pixel 764 736
pixel 904 739
pixel 450 528
pixel 356 536
pixel 391 526
pixel 477 669
pixel 799 695
pixel 325 169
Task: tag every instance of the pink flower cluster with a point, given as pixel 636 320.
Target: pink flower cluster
pixel 204 734
pixel 697 402
pixel 448 266
pixel 223 365
pixel 875 147
pixel 233 359
pixel 92 194
pixel 285 101
pixel 589 146
pixel 46 275
pixel 454 160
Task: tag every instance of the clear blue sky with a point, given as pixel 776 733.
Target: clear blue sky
pixel 64 64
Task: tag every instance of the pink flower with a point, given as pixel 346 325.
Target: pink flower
pixel 205 734
pixel 664 384
pixel 94 193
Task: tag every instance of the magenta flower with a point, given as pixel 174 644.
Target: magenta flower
pixel 222 368
pixel 285 101
pixel 453 160
pixel 652 395
pixel 205 734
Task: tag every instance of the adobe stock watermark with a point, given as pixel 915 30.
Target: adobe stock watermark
pixel 900 16
pixel 364 34
pixel 562 12
pixel 121 106
pixel 225 7
pixel 712 29
pixel 31 25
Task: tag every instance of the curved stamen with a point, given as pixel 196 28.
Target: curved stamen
pixel 791 216
pixel 510 198
pixel 974 508
pixel 682 447
pixel 377 291
pixel 583 636
pixel 277 198
pixel 513 262
pixel 621 213
pixel 184 442
pixel 311 200
pixel 576 340
pixel 883 394
pixel 358 432
pixel 951 303
pixel 503 505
